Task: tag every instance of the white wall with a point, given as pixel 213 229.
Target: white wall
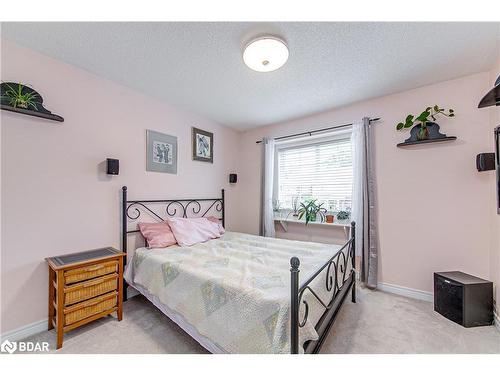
pixel 433 204
pixel 56 197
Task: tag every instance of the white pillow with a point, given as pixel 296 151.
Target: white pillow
pixel 190 231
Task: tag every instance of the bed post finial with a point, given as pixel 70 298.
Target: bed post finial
pixel 353 260
pixel 124 235
pixel 223 209
pixel 294 305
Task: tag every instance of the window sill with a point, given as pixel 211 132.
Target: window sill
pixel 290 219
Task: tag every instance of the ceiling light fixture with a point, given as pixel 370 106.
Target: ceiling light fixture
pixel 265 54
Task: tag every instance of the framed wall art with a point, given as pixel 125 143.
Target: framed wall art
pixel 161 152
pixel 203 145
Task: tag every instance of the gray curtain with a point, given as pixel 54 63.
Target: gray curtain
pixel 364 204
pixel 266 206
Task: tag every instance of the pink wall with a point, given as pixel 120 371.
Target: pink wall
pixel 495 218
pixel 56 197
pixel 433 204
pixel 436 212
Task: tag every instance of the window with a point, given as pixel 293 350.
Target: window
pixel 320 170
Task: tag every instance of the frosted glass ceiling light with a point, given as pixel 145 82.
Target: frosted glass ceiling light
pixel 265 54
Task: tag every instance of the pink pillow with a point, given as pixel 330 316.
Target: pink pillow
pixel 191 231
pixel 218 222
pixel 157 234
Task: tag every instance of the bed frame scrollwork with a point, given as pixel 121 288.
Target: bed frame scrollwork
pixel 131 211
pixel 336 265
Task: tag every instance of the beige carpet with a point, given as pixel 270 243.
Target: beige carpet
pixel 378 323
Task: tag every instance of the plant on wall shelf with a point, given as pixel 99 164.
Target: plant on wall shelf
pixel 423 120
pixel 311 211
pixel 17 97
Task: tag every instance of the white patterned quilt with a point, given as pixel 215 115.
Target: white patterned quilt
pixel 235 290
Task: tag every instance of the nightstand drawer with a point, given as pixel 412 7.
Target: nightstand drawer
pixel 90 272
pixel 88 308
pixel 85 290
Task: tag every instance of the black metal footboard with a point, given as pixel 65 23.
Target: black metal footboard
pixel 336 263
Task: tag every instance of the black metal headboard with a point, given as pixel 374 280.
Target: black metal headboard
pixel 132 210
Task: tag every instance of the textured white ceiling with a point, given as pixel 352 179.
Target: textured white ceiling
pixel 198 66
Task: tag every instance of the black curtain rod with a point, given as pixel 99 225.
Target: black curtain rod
pixel 317 131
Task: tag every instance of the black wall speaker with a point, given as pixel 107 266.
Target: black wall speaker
pixel 233 177
pixel 485 161
pixel 113 166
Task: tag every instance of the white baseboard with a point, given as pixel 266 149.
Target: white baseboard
pixel 25 331
pixel 406 292
pixel 31 329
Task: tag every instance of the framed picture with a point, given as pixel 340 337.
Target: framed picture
pixel 161 152
pixel 203 145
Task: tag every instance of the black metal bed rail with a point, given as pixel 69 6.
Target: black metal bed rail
pixel 339 261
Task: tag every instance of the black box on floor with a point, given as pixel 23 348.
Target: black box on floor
pixel 464 299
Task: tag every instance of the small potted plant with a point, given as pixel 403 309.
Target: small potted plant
pixel 20 96
pixel 343 215
pixel 295 206
pixel 276 205
pixel 422 123
pixel 311 211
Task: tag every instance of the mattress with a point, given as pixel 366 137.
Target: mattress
pixel 232 294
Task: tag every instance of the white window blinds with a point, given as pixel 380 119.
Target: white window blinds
pixel 321 171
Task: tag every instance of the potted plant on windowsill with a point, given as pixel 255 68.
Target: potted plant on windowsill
pixel 295 206
pixel 311 211
pixel 343 215
pixel 422 128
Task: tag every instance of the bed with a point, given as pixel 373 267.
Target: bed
pixel 240 293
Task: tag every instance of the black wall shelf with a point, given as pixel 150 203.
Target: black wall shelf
pixel 412 143
pixel 48 116
pixel 10 91
pixel 433 135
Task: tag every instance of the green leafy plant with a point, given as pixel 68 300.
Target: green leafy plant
pixel 17 99
pixel 343 215
pixel 311 211
pixel 423 118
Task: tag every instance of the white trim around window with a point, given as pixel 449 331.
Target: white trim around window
pixel 318 167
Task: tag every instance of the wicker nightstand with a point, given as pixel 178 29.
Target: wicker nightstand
pixel 83 287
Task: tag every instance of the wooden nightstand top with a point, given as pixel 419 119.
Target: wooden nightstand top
pixel 83 257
